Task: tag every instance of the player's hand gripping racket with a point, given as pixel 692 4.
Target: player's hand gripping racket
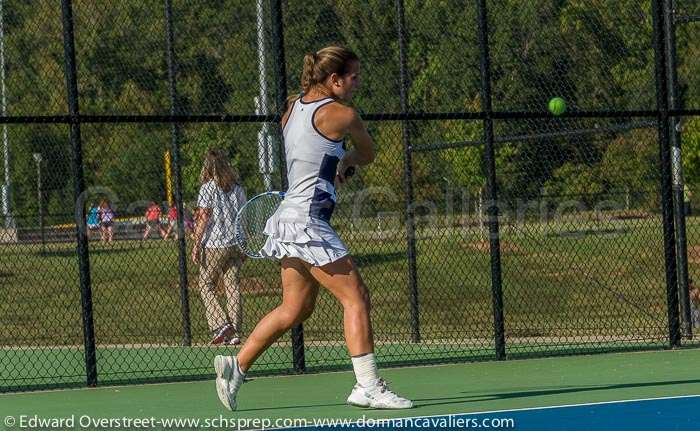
pixel 252 217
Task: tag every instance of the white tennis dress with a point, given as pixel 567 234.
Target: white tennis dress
pixel 300 226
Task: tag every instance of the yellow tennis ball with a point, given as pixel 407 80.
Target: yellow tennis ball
pixel 557 106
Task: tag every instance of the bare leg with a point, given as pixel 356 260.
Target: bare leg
pixel 299 291
pixel 167 232
pixel 343 280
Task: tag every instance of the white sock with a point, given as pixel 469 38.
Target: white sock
pixel 365 367
pixel 238 368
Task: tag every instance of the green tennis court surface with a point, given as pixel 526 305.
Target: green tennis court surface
pixel 437 390
pixel 61 367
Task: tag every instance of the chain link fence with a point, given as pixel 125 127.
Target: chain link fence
pixel 486 228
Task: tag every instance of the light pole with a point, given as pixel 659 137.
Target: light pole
pixel 38 158
pixel 9 222
pixel 265 153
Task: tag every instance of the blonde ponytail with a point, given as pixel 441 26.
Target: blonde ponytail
pixel 320 65
pixel 308 71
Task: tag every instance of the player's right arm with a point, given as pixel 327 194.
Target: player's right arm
pixel 363 146
pixel 362 152
pixel 336 121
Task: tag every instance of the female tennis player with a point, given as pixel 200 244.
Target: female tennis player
pixel 299 234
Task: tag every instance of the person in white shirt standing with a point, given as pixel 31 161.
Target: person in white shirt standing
pixel 220 197
pixel 301 237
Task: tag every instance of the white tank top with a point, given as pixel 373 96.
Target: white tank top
pixel 312 161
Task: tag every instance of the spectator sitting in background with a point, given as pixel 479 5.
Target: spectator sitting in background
pixel 694 293
pixel 172 222
pixel 188 219
pixel 152 215
pixel 106 216
pixel 93 220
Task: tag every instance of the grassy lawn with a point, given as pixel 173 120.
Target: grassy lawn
pixel 600 284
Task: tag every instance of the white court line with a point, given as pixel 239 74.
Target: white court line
pixel 521 409
pixel 569 405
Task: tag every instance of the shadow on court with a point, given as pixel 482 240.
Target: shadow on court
pixel 537 393
pixel 308 406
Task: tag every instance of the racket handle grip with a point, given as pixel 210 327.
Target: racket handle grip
pixel 350 171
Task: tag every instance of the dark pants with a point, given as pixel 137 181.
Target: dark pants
pixel 686 208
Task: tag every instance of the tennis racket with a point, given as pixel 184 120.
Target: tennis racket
pixel 252 217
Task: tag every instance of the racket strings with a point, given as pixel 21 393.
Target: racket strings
pixel 251 221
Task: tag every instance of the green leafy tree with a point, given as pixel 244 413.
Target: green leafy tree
pixel 691 151
pixel 574 182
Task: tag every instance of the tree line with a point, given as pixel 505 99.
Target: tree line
pixel 597 55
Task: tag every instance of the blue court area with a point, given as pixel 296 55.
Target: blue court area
pixel 668 414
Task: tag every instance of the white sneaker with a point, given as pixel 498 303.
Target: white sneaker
pixel 221 333
pixel 228 380
pixel 232 341
pixel 377 396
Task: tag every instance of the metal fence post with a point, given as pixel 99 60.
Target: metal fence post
pixel 298 349
pixel 38 158
pixel 677 170
pixel 492 193
pixel 175 148
pixel 79 189
pixel 662 116
pixel 408 176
